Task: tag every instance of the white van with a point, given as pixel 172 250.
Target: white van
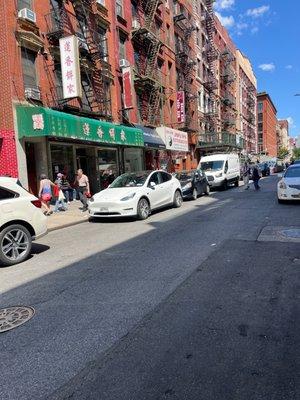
pixel 221 169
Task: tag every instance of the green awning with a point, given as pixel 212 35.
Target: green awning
pixel 40 121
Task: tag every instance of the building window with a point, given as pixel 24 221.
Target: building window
pixel 260 127
pixel 119 8
pixel 260 107
pixel 25 4
pixel 122 47
pixel 28 67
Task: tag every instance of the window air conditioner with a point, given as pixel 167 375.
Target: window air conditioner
pixel 123 63
pixel 135 24
pixel 32 93
pixel 25 13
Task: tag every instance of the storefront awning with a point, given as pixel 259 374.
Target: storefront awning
pixel 40 121
pixel 151 138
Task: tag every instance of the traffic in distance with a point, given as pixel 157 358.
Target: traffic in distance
pixel 135 195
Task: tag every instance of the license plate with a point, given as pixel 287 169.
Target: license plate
pixel 103 209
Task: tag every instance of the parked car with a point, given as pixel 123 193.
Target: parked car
pixel 193 183
pixel 264 169
pixel 296 162
pixel 288 187
pixel 21 221
pixel 136 195
pixel 221 169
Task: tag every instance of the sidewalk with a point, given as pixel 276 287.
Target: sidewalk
pixel 70 217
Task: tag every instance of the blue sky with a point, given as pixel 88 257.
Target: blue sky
pixel 268 32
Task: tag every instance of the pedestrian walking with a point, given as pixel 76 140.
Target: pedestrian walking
pixel 59 196
pixel 45 193
pixel 66 187
pixel 83 188
pixel 246 176
pixel 256 177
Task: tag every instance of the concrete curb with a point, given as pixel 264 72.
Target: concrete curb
pixel 56 228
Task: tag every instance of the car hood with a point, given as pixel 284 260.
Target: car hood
pixel 185 181
pixel 292 181
pixel 115 194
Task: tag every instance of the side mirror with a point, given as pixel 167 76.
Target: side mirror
pixel 152 185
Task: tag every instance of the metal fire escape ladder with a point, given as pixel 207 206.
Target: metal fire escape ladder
pixel 150 7
pixel 149 45
pixel 94 91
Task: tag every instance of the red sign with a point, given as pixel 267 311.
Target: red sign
pixel 127 87
pixel 180 107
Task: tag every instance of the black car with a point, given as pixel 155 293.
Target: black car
pixel 264 169
pixel 193 183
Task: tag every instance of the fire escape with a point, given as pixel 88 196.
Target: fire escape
pixel 147 45
pixel 210 81
pixel 251 111
pixel 229 102
pixel 94 64
pixel 185 61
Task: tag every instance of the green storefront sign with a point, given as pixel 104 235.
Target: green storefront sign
pixel 40 121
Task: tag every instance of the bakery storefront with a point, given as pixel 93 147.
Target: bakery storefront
pixel 52 141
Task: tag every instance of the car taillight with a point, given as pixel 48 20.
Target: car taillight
pixel 37 203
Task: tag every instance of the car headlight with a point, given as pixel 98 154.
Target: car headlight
pixel 187 186
pixel 219 174
pixel 129 197
pixel 282 185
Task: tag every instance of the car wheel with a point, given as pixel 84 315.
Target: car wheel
pixel 236 183
pixel 195 194
pixel 15 244
pixel 143 209
pixel 207 190
pixel 177 202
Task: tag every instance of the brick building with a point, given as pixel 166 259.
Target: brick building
pixel 154 85
pixel 266 125
pixel 246 103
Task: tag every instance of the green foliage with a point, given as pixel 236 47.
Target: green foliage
pixel 296 153
pixel 283 152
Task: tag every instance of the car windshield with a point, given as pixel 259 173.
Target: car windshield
pixel 130 180
pixel 212 165
pixel 185 175
pixel 292 173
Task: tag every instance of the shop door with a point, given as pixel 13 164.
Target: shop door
pixel 86 160
pixel 31 168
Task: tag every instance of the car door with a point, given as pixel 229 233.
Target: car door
pixel 6 205
pixel 154 192
pixel 167 186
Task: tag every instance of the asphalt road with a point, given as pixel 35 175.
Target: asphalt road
pixel 189 304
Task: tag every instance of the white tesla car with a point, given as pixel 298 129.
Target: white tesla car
pixel 288 187
pixel 136 195
pixel 21 221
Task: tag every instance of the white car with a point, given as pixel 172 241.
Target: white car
pixel 136 195
pixel 288 187
pixel 21 221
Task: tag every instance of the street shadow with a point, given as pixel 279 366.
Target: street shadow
pixel 37 248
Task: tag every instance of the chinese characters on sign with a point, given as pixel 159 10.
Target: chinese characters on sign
pixel 38 121
pixel 127 87
pixel 70 69
pixel 180 107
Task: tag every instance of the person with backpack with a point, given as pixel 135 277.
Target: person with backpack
pixel 58 194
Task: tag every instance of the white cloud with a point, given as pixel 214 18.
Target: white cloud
pixel 257 12
pixel 254 30
pixel 224 4
pixel 227 22
pixel 289 66
pixel 290 121
pixel 267 67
